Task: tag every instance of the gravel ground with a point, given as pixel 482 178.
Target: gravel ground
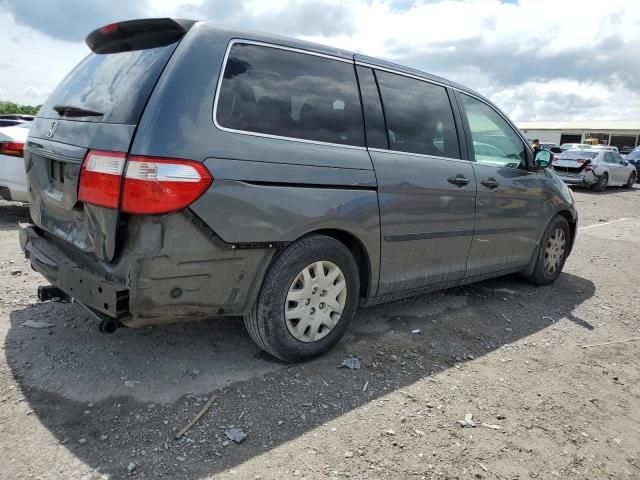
pixel 504 354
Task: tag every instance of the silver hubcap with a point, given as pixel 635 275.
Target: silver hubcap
pixel 315 301
pixel 554 251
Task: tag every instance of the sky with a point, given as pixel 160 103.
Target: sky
pixel 536 59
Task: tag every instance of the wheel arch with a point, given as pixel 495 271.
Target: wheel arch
pixel 359 252
pixel 573 227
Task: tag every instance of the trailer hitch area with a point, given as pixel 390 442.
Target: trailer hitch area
pixel 49 292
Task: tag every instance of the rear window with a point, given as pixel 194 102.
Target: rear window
pixel 290 94
pixel 115 84
pixel 577 155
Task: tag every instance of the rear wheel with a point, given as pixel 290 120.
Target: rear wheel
pixel 631 180
pixel 552 253
pixel 307 299
pixel 601 184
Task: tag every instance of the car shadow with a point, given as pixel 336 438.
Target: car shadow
pixel 11 213
pixel 127 394
pixel 608 190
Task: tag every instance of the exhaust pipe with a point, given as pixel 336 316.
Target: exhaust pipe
pixel 106 324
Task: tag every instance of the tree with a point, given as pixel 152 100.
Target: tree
pixel 10 107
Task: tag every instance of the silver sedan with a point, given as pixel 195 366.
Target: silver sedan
pixel 596 168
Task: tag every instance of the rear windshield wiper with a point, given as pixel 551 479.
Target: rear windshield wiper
pixel 70 111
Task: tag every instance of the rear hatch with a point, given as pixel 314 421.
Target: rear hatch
pixel 573 162
pixel 96 107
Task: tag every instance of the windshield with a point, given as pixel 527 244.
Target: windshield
pixel 116 85
pixel 635 155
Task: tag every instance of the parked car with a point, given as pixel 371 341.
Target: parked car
pixel 574 146
pixel 5 122
pixel 634 160
pixel 608 148
pixel 626 150
pixel 13 177
pixel 280 190
pixel 17 116
pixel 595 168
pixel 552 147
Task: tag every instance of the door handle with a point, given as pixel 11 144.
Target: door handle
pixel 490 183
pixel 459 180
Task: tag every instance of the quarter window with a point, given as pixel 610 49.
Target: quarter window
pixel 290 94
pixel 419 116
pixel 494 141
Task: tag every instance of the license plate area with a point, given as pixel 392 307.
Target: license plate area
pixel 56 174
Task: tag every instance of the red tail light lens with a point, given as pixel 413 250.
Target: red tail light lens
pixel 160 185
pixel 150 185
pixel 13 149
pixel 101 177
pixel 112 27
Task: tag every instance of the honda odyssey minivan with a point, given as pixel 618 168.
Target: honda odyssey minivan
pixel 186 171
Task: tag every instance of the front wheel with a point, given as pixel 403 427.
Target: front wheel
pixel 553 252
pixel 631 180
pixel 307 299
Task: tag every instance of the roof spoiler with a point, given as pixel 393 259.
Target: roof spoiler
pixel 137 34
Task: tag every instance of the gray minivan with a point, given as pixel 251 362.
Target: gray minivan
pixel 186 171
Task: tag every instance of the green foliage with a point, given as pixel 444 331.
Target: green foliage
pixel 10 107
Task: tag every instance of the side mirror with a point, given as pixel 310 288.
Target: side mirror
pixel 542 158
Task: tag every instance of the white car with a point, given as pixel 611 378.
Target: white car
pixel 596 168
pixel 13 176
pixel 574 146
pixel 608 148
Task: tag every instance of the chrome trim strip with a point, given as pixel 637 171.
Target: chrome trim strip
pixel 266 135
pixel 404 74
pixel 422 155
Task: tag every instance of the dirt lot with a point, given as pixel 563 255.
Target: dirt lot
pixel 78 404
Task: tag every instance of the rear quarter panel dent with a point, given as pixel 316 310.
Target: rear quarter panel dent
pixel 241 212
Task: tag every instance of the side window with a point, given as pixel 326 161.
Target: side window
pixel 290 94
pixel 494 141
pixel 419 116
pixel 608 157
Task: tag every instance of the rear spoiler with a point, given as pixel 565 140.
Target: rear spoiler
pixel 137 34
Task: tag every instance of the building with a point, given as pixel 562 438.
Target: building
pixel 617 133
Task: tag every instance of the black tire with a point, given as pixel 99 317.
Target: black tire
pixel 631 181
pixel 601 184
pixel 540 275
pixel 266 321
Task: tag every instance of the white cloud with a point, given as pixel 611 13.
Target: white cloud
pixel 538 59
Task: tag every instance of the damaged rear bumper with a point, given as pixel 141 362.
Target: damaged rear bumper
pixel 167 269
pixel 108 297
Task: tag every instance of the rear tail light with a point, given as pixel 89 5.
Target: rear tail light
pixel 112 27
pixel 101 177
pixel 149 185
pixel 13 149
pixel 160 185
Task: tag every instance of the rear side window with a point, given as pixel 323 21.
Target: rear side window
pixel 290 94
pixel 114 84
pixel 419 116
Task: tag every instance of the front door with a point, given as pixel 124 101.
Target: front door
pixel 617 170
pixel 509 199
pixel 426 190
